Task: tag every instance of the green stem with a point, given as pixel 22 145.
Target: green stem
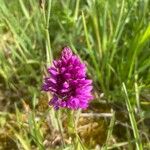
pixel 60 128
pixel 73 132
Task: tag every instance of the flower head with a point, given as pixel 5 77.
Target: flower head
pixel 68 83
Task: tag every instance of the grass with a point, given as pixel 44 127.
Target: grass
pixel 111 37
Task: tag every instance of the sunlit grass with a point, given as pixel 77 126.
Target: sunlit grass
pixel 111 36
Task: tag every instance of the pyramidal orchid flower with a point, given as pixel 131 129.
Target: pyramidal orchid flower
pixel 68 83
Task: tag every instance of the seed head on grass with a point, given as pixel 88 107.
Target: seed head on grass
pixel 68 83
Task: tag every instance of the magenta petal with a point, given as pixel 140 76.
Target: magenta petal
pixel 55 63
pixel 65 85
pixel 68 83
pixel 51 80
pixel 53 100
pixel 73 103
pixel 63 104
pixel 53 71
pixel 67 53
pixel 67 75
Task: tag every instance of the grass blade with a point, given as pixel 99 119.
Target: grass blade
pixel 132 120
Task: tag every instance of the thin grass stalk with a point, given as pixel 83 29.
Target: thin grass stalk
pixel 99 74
pixel 110 130
pixel 47 34
pixel 60 128
pixel 132 120
pixel 24 10
pixel 76 10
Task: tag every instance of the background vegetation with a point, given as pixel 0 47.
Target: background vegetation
pixel 112 37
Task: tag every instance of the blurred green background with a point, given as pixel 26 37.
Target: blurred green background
pixel 111 36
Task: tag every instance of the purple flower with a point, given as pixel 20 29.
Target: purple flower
pixel 68 83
